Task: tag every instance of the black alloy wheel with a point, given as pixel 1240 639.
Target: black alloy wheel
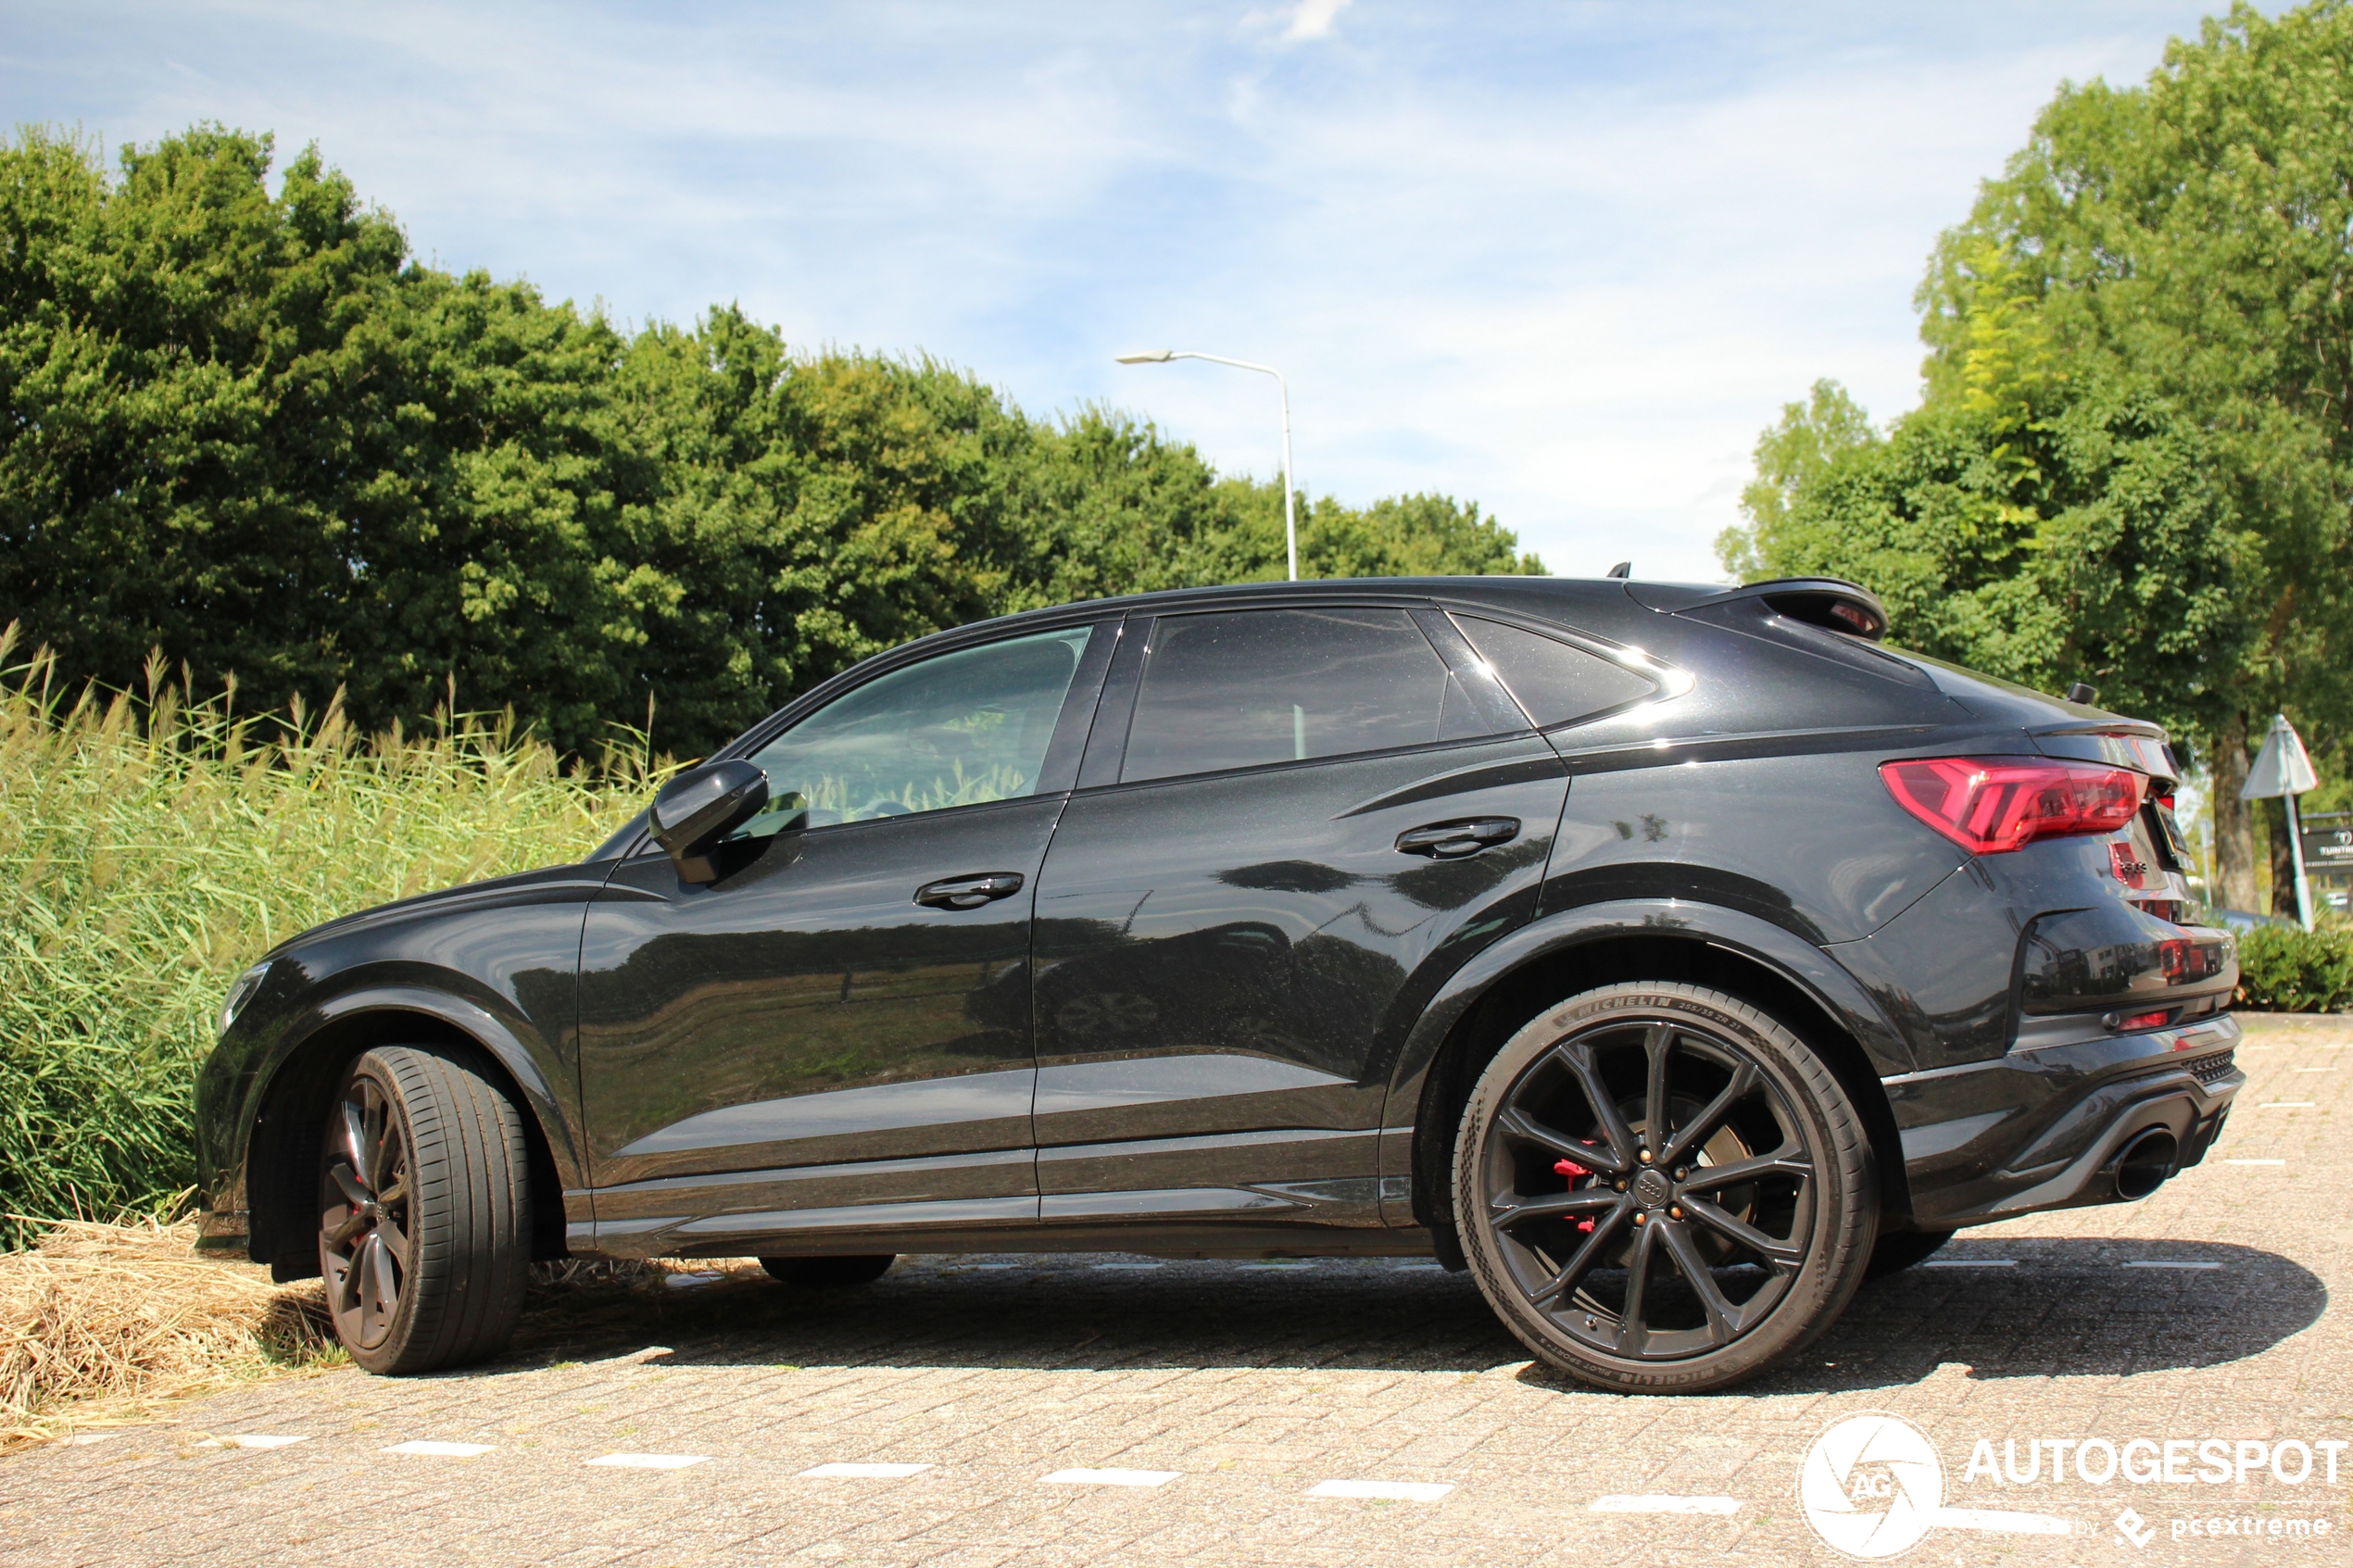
pixel 423 1216
pixel 828 1274
pixel 364 1249
pixel 1660 1187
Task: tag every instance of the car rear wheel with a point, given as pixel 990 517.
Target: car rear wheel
pixel 1660 1189
pixel 423 1230
pixel 1898 1251
pixel 826 1274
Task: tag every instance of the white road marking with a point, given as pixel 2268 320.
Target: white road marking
pixel 2316 1069
pixel 1408 1267
pixel 688 1282
pixel 442 1450
pixel 871 1471
pixel 2002 1521
pixel 1971 1263
pixel 2163 1264
pixel 1661 1502
pixel 255 1440
pixel 1100 1267
pixel 2254 1162
pixel 1112 1477
pixel 649 1461
pixel 1382 1491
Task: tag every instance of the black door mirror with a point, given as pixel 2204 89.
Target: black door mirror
pixel 700 807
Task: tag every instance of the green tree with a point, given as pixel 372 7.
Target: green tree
pixel 2168 264
pixel 1790 454
pixel 2098 544
pixel 2196 234
pixel 162 344
pixel 250 430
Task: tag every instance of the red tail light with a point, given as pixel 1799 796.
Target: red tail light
pixel 1988 805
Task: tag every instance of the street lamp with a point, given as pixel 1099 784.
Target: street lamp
pixel 1162 356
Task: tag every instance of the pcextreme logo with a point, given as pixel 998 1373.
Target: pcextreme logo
pixel 1871 1485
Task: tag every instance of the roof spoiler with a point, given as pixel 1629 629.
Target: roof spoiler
pixel 1829 602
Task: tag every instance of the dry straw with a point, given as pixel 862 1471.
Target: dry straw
pixel 98 1320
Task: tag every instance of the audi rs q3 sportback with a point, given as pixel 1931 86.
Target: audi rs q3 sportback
pixel 1673 959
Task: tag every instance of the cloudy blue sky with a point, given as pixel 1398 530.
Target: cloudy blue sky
pixel 1565 259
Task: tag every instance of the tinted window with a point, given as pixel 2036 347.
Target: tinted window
pixel 952 731
pixel 1282 685
pixel 1553 682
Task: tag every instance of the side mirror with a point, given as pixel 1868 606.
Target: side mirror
pixel 700 807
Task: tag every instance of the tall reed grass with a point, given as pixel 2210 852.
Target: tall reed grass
pixel 151 847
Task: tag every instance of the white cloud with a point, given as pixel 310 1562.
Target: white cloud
pixel 1565 260
pixel 1314 18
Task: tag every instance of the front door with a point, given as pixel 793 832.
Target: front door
pixel 1314 820
pixel 837 1035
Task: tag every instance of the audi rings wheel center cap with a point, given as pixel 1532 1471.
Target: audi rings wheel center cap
pixel 1651 1189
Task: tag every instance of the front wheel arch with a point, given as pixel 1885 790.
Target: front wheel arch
pixel 1542 981
pixel 281 1149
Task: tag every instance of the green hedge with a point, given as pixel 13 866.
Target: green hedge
pixel 2285 970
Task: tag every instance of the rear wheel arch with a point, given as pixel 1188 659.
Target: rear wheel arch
pixel 1546 979
pixel 282 1147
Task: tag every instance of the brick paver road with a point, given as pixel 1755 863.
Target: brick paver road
pixel 1252 1387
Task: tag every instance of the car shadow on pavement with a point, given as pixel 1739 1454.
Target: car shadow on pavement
pixel 2062 1307
pixel 1079 1312
pixel 2056 1307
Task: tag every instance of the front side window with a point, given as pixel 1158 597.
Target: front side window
pixel 956 730
pixel 1246 688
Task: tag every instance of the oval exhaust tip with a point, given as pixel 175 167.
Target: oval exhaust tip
pixel 2145 1164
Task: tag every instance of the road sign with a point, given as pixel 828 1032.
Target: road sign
pixel 2281 766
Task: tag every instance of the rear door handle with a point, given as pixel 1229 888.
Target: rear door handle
pixel 968 892
pixel 1452 841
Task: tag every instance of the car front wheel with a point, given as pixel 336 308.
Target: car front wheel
pixel 424 1231
pixel 1660 1189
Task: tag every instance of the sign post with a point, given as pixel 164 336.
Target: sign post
pixel 2283 769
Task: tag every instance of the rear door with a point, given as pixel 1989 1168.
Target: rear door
pixel 837 1036
pixel 1293 824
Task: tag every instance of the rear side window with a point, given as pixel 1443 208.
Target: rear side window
pixel 1553 682
pixel 1283 685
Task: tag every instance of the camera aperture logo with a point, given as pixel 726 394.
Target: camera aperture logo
pixel 1871 1485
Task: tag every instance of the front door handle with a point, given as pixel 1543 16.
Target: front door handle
pixel 1452 841
pixel 969 892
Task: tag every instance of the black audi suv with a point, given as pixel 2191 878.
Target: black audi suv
pixel 1671 957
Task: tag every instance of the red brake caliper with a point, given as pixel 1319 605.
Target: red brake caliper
pixel 1572 1170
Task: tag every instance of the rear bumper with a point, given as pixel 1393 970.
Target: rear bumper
pixel 2042 1128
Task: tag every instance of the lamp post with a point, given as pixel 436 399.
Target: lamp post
pixel 1162 356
